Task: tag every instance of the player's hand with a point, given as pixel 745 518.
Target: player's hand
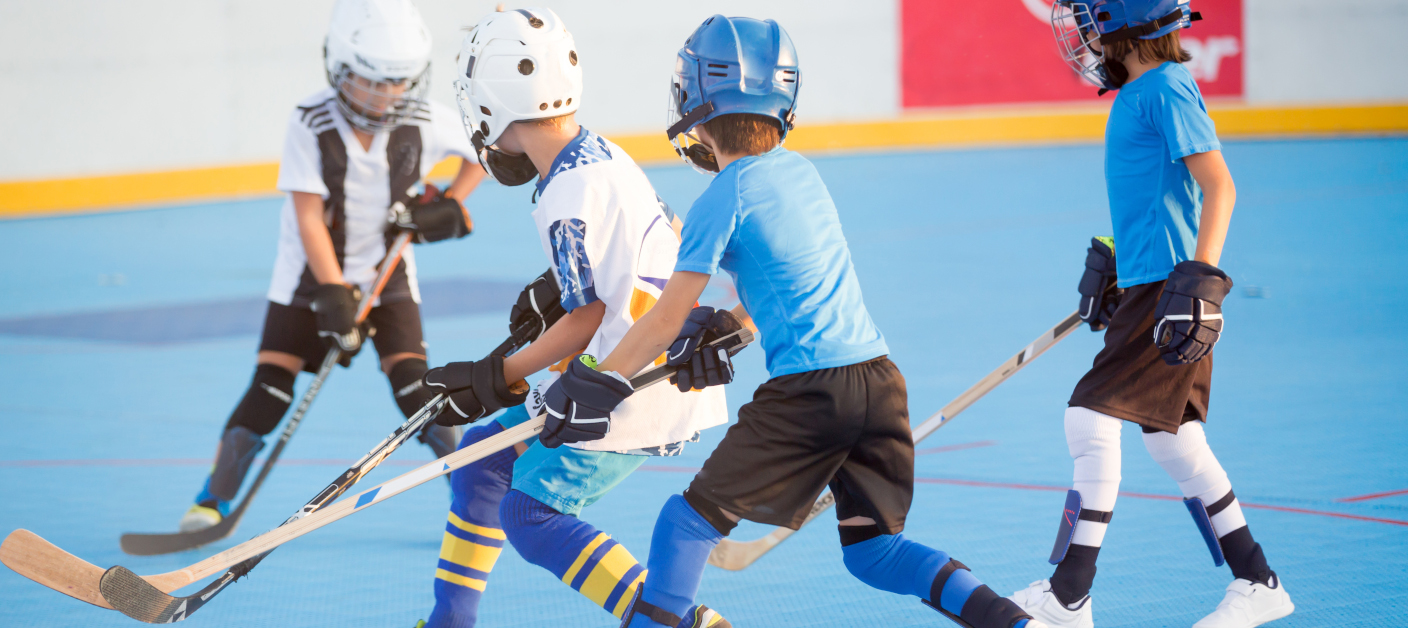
pixel 538 307
pixel 1098 297
pixel 335 306
pixel 1189 312
pixel 432 217
pixel 475 389
pixel 702 368
pixel 579 403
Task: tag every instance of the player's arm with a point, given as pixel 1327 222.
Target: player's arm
pixel 317 242
pixel 469 176
pixel 658 328
pixel 567 336
pixel 1219 196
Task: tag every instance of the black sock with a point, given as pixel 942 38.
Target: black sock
pixel 1073 577
pixel 1244 556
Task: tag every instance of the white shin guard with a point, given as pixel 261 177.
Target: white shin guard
pixel 1187 459
pixel 1094 442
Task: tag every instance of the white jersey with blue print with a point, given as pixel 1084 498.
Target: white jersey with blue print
pixel 610 240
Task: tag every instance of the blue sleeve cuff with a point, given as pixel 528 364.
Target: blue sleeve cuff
pixel 1184 151
pixel 691 267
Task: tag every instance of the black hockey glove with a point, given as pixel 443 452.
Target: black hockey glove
pixel 538 307
pixel 476 389
pixel 1099 298
pixel 335 305
pixel 433 217
pixel 1189 312
pixel 699 369
pixel 579 403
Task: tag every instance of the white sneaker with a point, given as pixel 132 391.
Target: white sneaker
pixel 199 518
pixel 1039 602
pixel 1249 604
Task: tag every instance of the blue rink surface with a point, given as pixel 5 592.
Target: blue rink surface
pixel 126 338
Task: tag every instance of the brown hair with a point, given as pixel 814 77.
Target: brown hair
pixel 744 133
pixel 1166 48
pixel 555 122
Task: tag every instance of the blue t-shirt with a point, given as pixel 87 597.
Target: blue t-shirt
pixel 770 223
pixel 1156 121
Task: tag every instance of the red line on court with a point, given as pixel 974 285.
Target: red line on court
pixel 1171 498
pixel 1365 498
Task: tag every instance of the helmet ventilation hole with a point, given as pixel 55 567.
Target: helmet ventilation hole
pixel 572 57
pixel 535 22
pixel 525 67
pixel 484 126
pixel 543 107
pixel 485 110
pixel 556 104
pixel 569 101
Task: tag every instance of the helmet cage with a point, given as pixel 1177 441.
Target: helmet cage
pixel 681 125
pixel 379 105
pixel 1074 26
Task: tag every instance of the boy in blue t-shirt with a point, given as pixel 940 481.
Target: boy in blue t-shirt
pixel 1171 200
pixel 834 411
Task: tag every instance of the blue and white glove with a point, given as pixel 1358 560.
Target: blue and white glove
pixel 699 369
pixel 579 403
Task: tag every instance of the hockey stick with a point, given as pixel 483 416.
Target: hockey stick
pixel 140 544
pixel 738 555
pixel 146 599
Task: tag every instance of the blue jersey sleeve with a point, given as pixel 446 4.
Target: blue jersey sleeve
pixel 1182 119
pixel 574 268
pixel 709 227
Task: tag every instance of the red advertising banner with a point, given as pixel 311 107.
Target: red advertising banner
pixel 978 52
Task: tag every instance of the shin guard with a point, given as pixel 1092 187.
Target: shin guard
pixel 970 603
pixel 1072 513
pixel 1203 520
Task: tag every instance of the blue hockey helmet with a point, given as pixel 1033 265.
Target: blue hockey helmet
pixel 731 65
pixel 1079 23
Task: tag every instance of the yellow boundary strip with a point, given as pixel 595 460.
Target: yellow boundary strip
pixel 977 127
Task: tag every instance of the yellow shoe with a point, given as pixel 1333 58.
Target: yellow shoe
pixel 199 518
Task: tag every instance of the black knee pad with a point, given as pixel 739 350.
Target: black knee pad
pixel 266 401
pixel 711 513
pixel 411 395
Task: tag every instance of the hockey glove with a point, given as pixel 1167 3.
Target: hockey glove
pixel 335 305
pixel 476 389
pixel 1189 312
pixel 442 218
pixel 538 307
pixel 579 403
pixel 699 369
pixel 1098 296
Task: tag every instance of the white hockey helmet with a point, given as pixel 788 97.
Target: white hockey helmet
pixel 513 66
pixel 377 56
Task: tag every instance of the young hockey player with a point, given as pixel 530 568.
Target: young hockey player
pixel 612 246
pixel 1171 199
pixel 351 151
pixel 834 412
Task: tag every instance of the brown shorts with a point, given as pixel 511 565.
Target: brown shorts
pixel 1130 381
pixel 846 427
pixel 294 330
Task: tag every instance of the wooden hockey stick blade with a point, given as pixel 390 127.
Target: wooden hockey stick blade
pixel 146 599
pixel 738 555
pixel 153 544
pixel 41 561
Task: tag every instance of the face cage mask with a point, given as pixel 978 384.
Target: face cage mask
pixel 377 106
pixel 679 127
pixel 1071 22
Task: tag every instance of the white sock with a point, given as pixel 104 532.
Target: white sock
pixel 1094 442
pixel 1187 459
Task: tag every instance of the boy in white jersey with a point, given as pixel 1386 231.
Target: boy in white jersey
pixel 351 151
pixel 612 245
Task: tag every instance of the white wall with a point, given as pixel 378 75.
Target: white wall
pixel 1326 50
pixel 92 87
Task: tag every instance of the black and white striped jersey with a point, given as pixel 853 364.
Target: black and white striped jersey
pixel 321 156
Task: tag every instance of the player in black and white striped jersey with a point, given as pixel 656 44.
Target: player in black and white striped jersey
pixel 351 151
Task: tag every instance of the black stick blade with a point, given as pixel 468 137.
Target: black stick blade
pixel 138 544
pixel 138 599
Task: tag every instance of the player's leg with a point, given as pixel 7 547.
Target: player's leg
pixel 1094 443
pixel 1256 595
pixel 400 343
pixel 540 516
pixel 474 536
pixel 874 488
pixel 290 336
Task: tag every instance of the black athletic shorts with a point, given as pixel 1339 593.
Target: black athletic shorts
pixel 1130 381
pixel 291 329
pixel 847 427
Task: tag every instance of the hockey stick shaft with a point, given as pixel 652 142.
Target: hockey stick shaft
pixel 136 596
pixel 737 555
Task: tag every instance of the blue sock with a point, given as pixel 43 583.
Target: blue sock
pixel 581 556
pixel 679 548
pixel 474 538
pixel 890 562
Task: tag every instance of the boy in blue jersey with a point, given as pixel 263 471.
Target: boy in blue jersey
pixel 1171 199
pixel 834 411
